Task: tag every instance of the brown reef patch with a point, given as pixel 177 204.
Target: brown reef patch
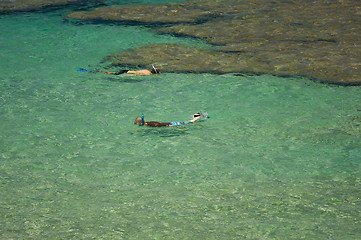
pixel 180 58
pixel 317 39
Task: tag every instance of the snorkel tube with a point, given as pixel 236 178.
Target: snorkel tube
pixel 155 70
pixel 142 120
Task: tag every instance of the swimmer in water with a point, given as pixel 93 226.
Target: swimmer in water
pixel 140 121
pixel 143 72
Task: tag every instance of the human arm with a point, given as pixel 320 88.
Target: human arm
pixel 196 117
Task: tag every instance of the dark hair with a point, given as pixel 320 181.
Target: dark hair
pixel 155 71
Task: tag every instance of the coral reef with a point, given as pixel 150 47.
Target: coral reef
pixel 317 39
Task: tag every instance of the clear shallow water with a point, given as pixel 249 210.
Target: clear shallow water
pixel 278 159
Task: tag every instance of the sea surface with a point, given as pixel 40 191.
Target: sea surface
pixel 279 158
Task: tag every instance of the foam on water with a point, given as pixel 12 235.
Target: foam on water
pixel 278 159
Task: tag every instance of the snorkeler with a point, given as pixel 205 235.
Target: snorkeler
pixel 140 121
pixel 143 72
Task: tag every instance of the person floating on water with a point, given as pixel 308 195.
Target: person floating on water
pixel 140 121
pixel 143 72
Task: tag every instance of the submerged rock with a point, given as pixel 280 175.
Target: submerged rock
pixel 29 5
pixel 145 13
pixel 180 58
pixel 319 39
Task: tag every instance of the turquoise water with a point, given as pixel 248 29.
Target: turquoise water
pixel 278 159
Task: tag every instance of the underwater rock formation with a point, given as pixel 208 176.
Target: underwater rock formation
pixel 29 5
pixel 181 58
pixel 317 39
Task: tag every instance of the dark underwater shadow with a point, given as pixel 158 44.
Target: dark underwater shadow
pixel 126 80
pixel 162 131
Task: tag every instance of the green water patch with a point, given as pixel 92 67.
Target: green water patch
pixel 275 159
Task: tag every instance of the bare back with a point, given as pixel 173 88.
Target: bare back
pixel 144 72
